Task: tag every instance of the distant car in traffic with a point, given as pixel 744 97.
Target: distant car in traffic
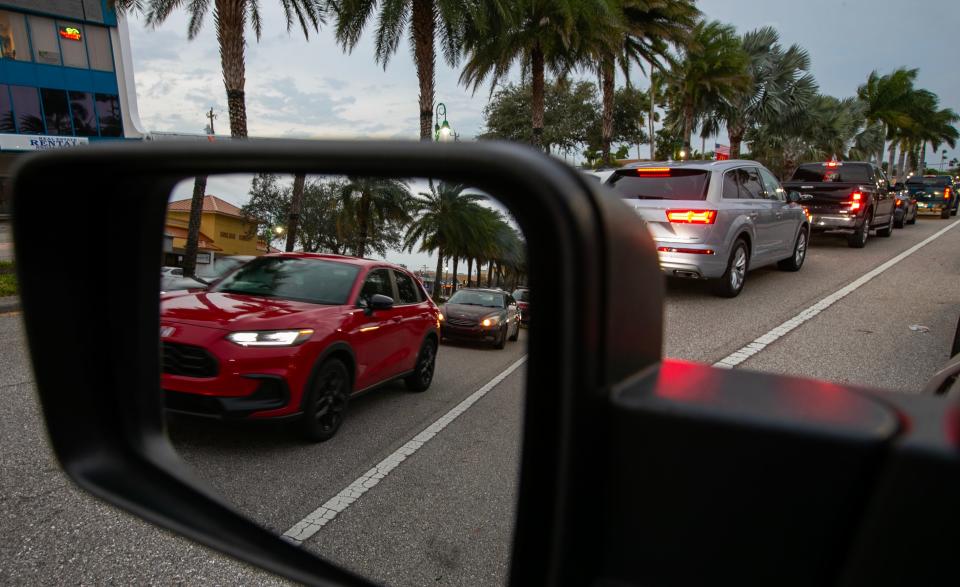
pixel 172 278
pixel 905 206
pixel 852 197
pixel 522 295
pixel 935 194
pixel 481 315
pixel 715 219
pixel 295 335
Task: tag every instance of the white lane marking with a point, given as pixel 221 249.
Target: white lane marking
pixel 744 353
pixel 311 524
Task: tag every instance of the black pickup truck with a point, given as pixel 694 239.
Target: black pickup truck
pixel 849 196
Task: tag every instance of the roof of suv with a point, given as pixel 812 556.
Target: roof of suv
pixel 340 259
pixel 704 165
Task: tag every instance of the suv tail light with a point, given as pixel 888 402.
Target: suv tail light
pixel 946 193
pixel 692 216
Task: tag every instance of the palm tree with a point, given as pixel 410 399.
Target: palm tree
pixel 778 86
pixel 712 69
pixel 887 99
pixel 537 34
pixel 369 205
pixel 427 18
pixel 441 219
pixel 640 32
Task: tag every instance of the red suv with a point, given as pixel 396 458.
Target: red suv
pixel 295 335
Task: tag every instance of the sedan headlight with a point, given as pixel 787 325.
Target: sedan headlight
pixel 270 337
pixel 490 321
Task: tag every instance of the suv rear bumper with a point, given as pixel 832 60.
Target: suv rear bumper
pixel 692 265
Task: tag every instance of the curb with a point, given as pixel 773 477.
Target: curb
pixel 9 304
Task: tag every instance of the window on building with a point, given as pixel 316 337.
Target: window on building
pixel 13 36
pixel 84 116
pixel 72 44
pixel 43 33
pixel 26 106
pixel 56 112
pixel 7 124
pixel 108 111
pixel 98 46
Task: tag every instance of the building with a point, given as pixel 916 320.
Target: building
pixel 66 79
pixel 223 231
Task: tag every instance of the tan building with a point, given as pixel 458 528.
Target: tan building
pixel 223 231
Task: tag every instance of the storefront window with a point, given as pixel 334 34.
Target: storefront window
pixel 13 36
pixel 26 105
pixel 98 46
pixel 43 32
pixel 56 112
pixel 84 119
pixel 72 44
pixel 108 110
pixel 6 111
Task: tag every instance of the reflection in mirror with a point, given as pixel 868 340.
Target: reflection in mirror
pixel 286 299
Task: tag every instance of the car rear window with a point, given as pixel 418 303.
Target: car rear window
pixel 648 183
pixel 919 182
pixel 522 295
pixel 306 280
pixel 843 173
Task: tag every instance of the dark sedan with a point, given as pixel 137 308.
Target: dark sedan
pixel 522 295
pixel 905 211
pixel 483 315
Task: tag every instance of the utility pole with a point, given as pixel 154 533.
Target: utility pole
pixel 211 115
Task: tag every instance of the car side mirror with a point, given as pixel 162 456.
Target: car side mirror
pixel 793 197
pixel 380 302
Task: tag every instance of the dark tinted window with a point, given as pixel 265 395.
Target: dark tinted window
pixel 406 289
pixel 26 106
pixel 731 185
pixel 377 282
pixel 56 112
pixel 772 186
pixel 522 295
pixel 751 184
pixel 844 172
pixel 84 119
pixel 668 184
pixel 7 123
pixel 471 297
pixel 108 110
pixel 939 181
pixel 306 280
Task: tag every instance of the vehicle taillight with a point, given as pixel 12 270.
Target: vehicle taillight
pixel 855 201
pixel 653 171
pixel 899 203
pixel 692 216
pixel 946 193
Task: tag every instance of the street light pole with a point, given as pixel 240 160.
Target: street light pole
pixel 442 133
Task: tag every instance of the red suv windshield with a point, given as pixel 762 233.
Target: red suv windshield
pixel 306 280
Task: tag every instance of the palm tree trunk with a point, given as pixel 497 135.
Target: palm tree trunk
pixel 438 276
pixel 687 124
pixel 456 279
pixel 293 218
pixel 363 220
pixel 489 273
pixel 193 226
pixel 478 272
pixel 608 76
pixel 880 152
pixel 736 132
pixel 469 271
pixel 538 95
pixel 423 55
pixel 653 99
pixel 922 167
pixel 900 164
pixel 229 16
pixel 893 154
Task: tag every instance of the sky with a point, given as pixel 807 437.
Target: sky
pixel 300 89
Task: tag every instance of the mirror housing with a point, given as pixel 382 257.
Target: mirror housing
pixel 379 302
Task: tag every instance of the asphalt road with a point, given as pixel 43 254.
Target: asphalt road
pixel 443 515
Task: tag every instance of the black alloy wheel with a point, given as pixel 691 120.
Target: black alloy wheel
pixel 326 403
pixel 731 282
pixel 913 219
pixel 858 239
pixel 887 230
pixel 795 261
pixel 422 375
pixel 501 340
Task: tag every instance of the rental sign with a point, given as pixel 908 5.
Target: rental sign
pixel 38 142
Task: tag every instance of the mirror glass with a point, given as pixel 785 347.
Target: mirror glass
pixel 343 362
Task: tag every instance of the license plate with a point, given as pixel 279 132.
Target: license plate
pixel 921 205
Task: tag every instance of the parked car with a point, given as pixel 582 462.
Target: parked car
pixel 935 194
pixel 715 219
pixel 905 210
pixel 172 278
pixel 522 295
pixel 296 335
pixel 483 315
pixel 853 197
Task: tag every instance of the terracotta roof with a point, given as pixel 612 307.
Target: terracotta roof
pixel 205 242
pixel 210 204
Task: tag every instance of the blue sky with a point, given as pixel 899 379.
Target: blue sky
pixel 312 89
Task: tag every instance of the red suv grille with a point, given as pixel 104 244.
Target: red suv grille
pixel 188 360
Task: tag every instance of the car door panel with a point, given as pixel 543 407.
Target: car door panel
pixel 376 335
pixel 415 319
pixel 785 216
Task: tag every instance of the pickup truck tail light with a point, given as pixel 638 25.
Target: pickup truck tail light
pixel 946 193
pixel 856 201
pixel 692 216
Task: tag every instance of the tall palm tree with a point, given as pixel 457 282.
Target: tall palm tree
pixel 640 32
pixel 712 69
pixel 369 204
pixel 441 219
pixel 887 99
pixel 779 86
pixel 536 34
pixel 426 18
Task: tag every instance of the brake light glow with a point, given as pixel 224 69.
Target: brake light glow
pixel 855 203
pixel 946 193
pixel 899 203
pixel 833 163
pixel 653 170
pixel 692 216
pixel 690 251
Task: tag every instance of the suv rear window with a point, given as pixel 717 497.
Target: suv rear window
pixel 938 181
pixel 661 184
pixel 843 173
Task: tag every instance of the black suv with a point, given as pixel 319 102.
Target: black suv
pixel 935 194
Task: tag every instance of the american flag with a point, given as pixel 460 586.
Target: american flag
pixel 722 152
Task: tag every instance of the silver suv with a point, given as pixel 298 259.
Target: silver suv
pixel 716 219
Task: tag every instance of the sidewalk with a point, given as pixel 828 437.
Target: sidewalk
pixel 9 304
